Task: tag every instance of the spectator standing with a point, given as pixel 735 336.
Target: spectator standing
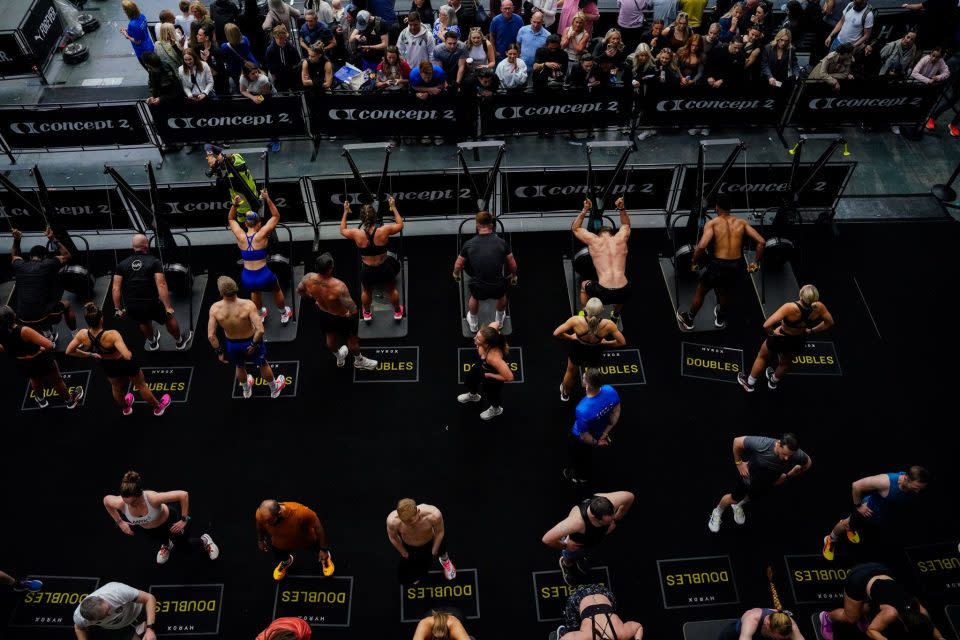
pixel 780 65
pixel 167 48
pixel 428 80
pixel 676 35
pixel 549 65
pixel 201 20
pixel 415 43
pixel 712 38
pixel 549 10
pixel 630 20
pixel 280 13
pixel 372 38
pixel 424 9
pixel 236 53
pixel 897 56
pixel 136 31
pixel 165 17
pixel 690 61
pixel 512 70
pixel 724 66
pixel 163 82
pixel 315 31
pixel 480 51
pixel 452 58
pixel 731 24
pixel 571 8
pixel 195 77
pixel 854 26
pixel 283 61
pixel 835 66
pixel 504 29
pixel 532 37
pixel 212 57
pixel 574 40
pixel 223 12
pixel 393 73
pixel 316 71
pixel 612 46
pixel 446 21
pixel 585 74
pixel 664 10
pixel 694 10
pixel 384 10
pixel 184 19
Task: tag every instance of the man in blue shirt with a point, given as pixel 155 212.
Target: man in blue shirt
pixel 313 31
pixel 597 414
pixel 530 38
pixel 504 29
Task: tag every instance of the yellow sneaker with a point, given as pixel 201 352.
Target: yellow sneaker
pixel 327 565
pixel 281 569
pixel 853 536
pixel 827 548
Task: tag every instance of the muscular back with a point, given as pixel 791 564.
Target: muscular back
pixel 235 317
pixel 330 294
pixel 727 234
pixel 609 255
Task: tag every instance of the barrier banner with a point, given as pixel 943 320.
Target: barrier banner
pixel 644 188
pixel 417 194
pixel 555 110
pixel 79 208
pixel 104 124
pixel 872 102
pixel 41 30
pixel 202 205
pixel 761 186
pixel 703 105
pixel 13 62
pixel 236 119
pixel 380 116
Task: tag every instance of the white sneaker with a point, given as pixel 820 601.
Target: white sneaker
pixel 564 397
pixel 491 413
pixel 464 398
pixel 704 132
pixel 210 546
pixel 248 388
pixel 646 133
pixel 473 322
pixel 715 517
pixel 164 554
pixel 153 343
pixel 693 132
pixel 895 129
pixel 738 515
pixel 362 362
pixel 500 317
pixel 285 316
pixel 263 314
pixel 278 385
pixel 342 355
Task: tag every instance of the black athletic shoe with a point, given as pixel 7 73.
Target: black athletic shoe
pixel 718 320
pixel 74 400
pixel 184 339
pixel 685 320
pixel 742 379
pixel 770 381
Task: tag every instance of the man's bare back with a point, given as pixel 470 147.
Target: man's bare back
pixel 420 532
pixel 607 250
pixel 330 294
pixel 726 233
pixel 238 318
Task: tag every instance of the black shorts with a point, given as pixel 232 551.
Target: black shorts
pixel 855 586
pixel 417 565
pixel 42 316
pixel 586 355
pixel 145 311
pixel 383 273
pixel 608 296
pixel 162 533
pixel 787 345
pixel 753 489
pixel 346 327
pixel 39 366
pixel 488 291
pixel 721 274
pixel 120 368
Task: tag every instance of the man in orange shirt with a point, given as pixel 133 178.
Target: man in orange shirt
pixel 285 527
pixel 286 629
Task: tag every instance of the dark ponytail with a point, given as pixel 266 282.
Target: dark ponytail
pixel 130 485
pixel 92 314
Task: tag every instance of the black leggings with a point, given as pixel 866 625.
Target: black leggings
pixel 476 380
pixel 162 533
pixel 417 565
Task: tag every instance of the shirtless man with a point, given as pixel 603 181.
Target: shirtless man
pixel 417 532
pixel 725 267
pixel 587 524
pixel 243 328
pixel 338 312
pixel 608 250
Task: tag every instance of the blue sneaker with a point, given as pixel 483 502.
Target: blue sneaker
pixel 27 585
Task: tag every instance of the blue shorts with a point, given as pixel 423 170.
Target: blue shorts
pixel 261 279
pixel 237 353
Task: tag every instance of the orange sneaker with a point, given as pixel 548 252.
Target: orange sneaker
pixel 954 130
pixel 827 548
pixel 931 124
pixel 281 571
pixel 327 565
pixel 853 536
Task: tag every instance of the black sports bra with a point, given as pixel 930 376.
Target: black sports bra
pixel 372 249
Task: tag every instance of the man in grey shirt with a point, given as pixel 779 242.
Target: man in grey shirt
pixel 763 463
pixel 115 606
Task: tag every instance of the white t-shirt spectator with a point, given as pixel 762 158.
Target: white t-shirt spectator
pixel 124 609
pixel 854 22
pixel 259 87
pixel 183 21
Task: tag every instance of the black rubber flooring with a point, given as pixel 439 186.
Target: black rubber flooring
pixel 351 450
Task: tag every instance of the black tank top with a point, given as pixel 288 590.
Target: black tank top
pixel 317 72
pixel 804 320
pixel 372 249
pixel 591 535
pixel 97 347
pixel 14 344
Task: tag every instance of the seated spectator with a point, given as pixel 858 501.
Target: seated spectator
pixel 835 66
pixel 452 58
pixel 486 83
pixel 393 73
pixel 898 55
pixel 694 10
pixel 201 20
pixel 611 40
pixel 665 71
pixel 184 18
pixel 676 35
pixel 446 21
pixel 779 62
pixel 586 74
pixel 724 66
pixel 165 17
pixel 314 31
pixel 690 60
pixel 574 40
pixel 167 48
pixel 211 56
pixel 316 72
pixel 236 53
pixel 712 38
pixel 504 29
pixel 371 37
pixel 195 77
pixel 279 13
pixel 283 61
pixel 415 43
pixel 532 37
pixel 731 24
pixel 931 68
pixel 424 11
pixel 752 51
pixel 162 81
pixel 550 65
pixel 480 53
pixel 512 70
pixel 136 31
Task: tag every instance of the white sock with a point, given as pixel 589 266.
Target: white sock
pixel 774 378
pixel 273 385
pixel 751 380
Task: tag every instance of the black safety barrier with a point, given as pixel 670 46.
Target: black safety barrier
pixel 29 34
pixel 875 102
pixel 645 188
pixel 202 205
pixel 701 105
pixel 230 119
pixel 418 194
pixel 379 116
pixel 93 208
pixel 88 125
pixel 757 187
pixel 554 110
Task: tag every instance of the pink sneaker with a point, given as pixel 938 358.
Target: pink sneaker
pixel 398 314
pixel 279 384
pixel 367 315
pixel 449 571
pixel 128 404
pixel 826 627
pixel 263 314
pixel 164 403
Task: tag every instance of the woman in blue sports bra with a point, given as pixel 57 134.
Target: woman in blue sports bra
pixel 252 238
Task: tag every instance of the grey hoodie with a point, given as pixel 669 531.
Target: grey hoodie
pixel 416 48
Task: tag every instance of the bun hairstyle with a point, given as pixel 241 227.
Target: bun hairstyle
pixel 494 339
pixel 130 485
pixel 809 296
pixel 781 623
pixel 93 315
pixel 592 312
